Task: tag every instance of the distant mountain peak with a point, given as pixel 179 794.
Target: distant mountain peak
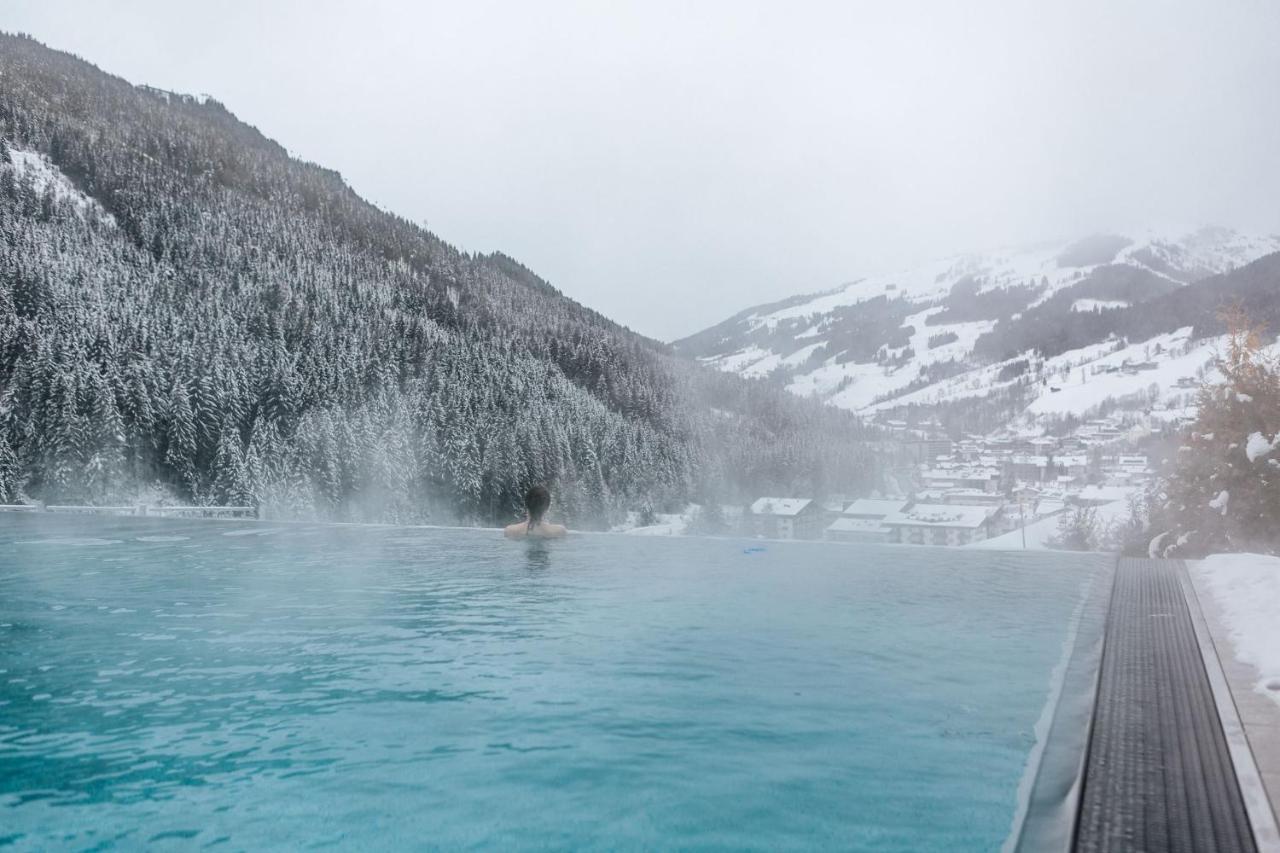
pixel 885 340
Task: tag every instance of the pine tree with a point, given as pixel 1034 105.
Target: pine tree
pixel 104 452
pixel 230 486
pixel 228 300
pixel 180 443
pixel 1224 492
pixel 10 472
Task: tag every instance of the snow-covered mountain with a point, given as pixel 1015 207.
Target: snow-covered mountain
pixel 1033 322
pixel 190 314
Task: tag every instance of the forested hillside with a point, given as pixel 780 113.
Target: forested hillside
pixel 185 308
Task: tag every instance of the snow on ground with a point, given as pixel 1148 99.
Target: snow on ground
pixel 932 280
pixel 1081 389
pixel 751 362
pixel 799 357
pixel 868 381
pixel 665 523
pixel 1247 590
pixel 1177 253
pixel 1098 304
pixel 1175 356
pixel 1209 250
pixel 1040 532
pixel 44 174
pixel 974 383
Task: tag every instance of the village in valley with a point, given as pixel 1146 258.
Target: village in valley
pixel 1009 490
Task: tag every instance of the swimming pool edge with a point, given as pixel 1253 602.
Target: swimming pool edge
pixel 1257 802
pixel 1046 818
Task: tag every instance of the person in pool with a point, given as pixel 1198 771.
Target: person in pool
pixel 536 502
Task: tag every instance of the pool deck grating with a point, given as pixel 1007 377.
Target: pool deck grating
pixel 1158 774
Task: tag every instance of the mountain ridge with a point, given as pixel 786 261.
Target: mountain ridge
pixel 186 307
pixel 889 337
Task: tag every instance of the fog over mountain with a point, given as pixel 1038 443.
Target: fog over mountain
pixel 1041 332
pixel 189 312
pixel 667 164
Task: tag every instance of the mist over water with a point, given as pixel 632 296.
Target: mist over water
pixel 265 685
pixel 388 265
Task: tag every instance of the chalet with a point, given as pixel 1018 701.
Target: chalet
pixel 1047 507
pixel 972 497
pixel 1071 444
pixel 786 518
pixel 863 521
pixel 1030 467
pixel 1074 464
pixel 928 449
pixel 979 478
pixel 846 529
pixel 832 508
pixel 941 524
pixel 867 508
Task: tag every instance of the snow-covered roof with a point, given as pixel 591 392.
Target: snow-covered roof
pixel 857 525
pixel 876 508
pixel 961 474
pixel 1105 494
pixel 779 506
pixel 942 515
pixel 1049 507
pixel 1029 459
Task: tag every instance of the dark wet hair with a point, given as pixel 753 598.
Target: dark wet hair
pixel 536 500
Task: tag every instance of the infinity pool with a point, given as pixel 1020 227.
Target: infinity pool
pixel 190 684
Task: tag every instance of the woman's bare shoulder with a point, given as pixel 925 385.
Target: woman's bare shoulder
pixel 516 531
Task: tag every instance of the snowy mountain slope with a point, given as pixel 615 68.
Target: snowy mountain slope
pixel 1078 381
pixel 961 327
pixel 188 310
pixel 47 179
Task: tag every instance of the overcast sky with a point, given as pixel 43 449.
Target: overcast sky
pixel 669 164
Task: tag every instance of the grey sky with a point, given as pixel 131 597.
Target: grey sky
pixel 670 163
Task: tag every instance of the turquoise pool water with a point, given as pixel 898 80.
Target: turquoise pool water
pixel 247 686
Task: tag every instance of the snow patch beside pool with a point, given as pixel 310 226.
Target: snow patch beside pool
pixel 1247 589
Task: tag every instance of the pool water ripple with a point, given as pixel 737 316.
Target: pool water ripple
pixel 377 687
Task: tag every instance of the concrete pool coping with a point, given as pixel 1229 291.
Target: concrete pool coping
pixel 1251 721
pixel 1047 814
